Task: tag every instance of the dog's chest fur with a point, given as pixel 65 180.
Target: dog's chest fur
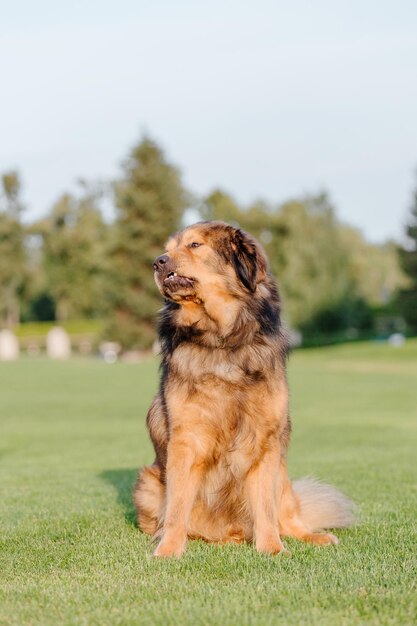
pixel 235 394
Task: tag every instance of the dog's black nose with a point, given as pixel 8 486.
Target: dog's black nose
pixel 160 262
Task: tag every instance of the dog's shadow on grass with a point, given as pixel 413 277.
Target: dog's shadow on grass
pixel 123 481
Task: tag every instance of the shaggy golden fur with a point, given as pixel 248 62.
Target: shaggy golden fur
pixel 219 423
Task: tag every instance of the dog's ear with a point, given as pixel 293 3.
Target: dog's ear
pixel 248 259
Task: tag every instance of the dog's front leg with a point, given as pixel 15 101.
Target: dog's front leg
pixel 183 477
pixel 261 490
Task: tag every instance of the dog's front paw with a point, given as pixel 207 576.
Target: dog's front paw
pixel 271 545
pixel 167 549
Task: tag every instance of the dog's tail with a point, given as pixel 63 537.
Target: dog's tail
pixel 323 506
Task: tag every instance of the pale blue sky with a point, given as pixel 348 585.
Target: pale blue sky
pixel 265 99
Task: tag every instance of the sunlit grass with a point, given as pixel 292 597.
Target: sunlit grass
pixel 72 436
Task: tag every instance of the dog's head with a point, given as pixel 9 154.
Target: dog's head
pixel 209 258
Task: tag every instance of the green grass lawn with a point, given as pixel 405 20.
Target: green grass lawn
pixel 73 435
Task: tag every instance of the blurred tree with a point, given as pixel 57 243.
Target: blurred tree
pixel 313 272
pixel 37 301
pixel 150 201
pixel 374 269
pixel 13 270
pixel 219 205
pixel 74 239
pixel 407 298
pixel 351 313
pixel 11 185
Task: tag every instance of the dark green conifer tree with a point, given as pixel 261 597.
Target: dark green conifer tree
pixel 12 250
pixel 150 201
pixel 408 258
pixel 74 239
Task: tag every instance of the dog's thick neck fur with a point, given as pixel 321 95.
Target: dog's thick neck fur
pixel 256 326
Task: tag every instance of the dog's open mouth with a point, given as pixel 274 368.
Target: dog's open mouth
pixel 173 282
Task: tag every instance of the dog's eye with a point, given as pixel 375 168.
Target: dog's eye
pixel 195 244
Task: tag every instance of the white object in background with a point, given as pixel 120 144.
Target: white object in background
pixel 9 346
pixel 397 340
pixel 58 344
pixel 110 351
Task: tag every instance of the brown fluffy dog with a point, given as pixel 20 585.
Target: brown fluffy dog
pixel 219 423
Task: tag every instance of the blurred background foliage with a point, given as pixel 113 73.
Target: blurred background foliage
pixel 94 273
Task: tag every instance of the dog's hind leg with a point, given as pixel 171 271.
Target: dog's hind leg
pixel 149 499
pixel 291 522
